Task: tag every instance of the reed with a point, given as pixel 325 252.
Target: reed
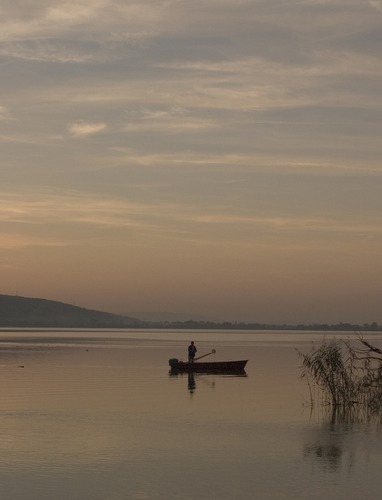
pixel 346 375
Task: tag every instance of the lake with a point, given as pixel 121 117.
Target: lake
pixel 96 415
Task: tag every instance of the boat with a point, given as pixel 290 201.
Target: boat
pixel 208 366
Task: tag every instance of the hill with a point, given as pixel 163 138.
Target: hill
pixel 34 312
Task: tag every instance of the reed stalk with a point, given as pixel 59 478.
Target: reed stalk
pixel 346 376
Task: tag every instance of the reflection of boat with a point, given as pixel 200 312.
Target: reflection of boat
pixel 208 366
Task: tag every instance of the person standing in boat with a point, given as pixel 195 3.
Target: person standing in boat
pixel 192 350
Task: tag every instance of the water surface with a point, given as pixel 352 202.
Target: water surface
pixel 96 415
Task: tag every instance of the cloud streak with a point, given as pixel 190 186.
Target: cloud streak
pixel 83 129
pixel 83 209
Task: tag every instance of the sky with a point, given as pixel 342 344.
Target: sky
pixel 220 158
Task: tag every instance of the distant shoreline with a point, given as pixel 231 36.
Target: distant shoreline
pixel 25 312
pixel 208 325
pixel 195 325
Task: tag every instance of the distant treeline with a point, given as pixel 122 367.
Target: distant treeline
pixel 227 325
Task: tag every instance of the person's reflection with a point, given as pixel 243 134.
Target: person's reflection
pixel 191 382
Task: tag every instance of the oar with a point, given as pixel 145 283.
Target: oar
pixel 204 355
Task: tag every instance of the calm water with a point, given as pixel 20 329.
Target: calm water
pixel 96 415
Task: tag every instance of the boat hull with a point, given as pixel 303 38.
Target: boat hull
pixel 208 366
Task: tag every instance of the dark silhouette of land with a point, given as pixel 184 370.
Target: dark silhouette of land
pixel 227 325
pixel 24 312
pixel 27 312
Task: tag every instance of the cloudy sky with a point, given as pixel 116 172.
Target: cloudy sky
pixel 215 157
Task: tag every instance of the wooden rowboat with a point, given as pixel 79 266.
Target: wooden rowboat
pixel 208 366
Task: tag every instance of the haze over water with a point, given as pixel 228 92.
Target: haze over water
pixel 96 414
